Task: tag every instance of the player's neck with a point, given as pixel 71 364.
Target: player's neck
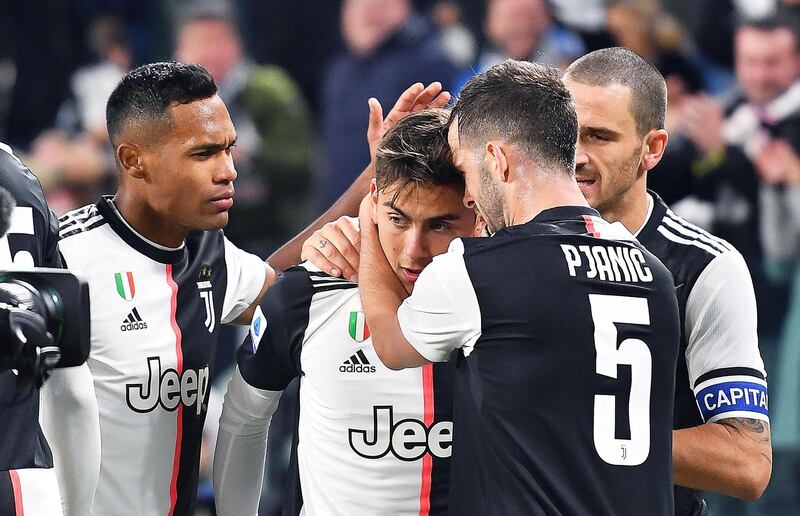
pixel 547 192
pixel 631 210
pixel 146 221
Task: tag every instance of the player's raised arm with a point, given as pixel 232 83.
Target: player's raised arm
pixel 415 98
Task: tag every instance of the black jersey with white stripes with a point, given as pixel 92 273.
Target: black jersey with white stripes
pixel 31 241
pixel 568 335
pixel 720 372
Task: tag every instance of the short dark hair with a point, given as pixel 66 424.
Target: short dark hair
pixel 625 67
pixel 527 105
pixel 415 151
pixel 146 92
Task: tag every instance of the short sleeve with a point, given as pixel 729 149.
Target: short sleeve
pixel 722 355
pixel 442 314
pixel 52 256
pixel 269 357
pixel 246 273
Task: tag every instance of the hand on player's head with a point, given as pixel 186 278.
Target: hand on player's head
pixel 335 247
pixel 416 98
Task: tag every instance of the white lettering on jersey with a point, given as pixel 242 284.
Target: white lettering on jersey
pixel 21 224
pixel 168 389
pixel 408 439
pixel 608 263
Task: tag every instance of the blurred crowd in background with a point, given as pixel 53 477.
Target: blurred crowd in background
pixel 296 76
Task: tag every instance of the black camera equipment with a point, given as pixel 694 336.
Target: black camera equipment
pixel 44 316
pixel 44 321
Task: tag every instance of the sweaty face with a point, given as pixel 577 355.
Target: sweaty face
pixel 767 62
pixel 609 148
pixel 417 222
pixel 190 170
pixel 482 191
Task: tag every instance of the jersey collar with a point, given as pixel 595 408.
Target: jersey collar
pixel 654 218
pixel 131 237
pixel 565 213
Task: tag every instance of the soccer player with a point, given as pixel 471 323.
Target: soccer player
pixel 369 440
pixel 721 439
pixel 567 329
pixel 27 479
pixel 162 278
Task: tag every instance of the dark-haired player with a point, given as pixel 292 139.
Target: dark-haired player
pixel 162 278
pixel 721 439
pixel 566 328
pixel 369 440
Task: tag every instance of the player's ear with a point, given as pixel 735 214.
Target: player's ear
pixel 654 145
pixel 373 193
pixel 131 160
pixel 497 160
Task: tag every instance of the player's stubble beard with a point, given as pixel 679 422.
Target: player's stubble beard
pixel 490 201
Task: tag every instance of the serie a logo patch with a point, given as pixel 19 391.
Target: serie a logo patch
pixel 126 287
pixel 257 327
pixel 357 327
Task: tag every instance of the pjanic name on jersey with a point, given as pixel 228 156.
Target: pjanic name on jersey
pixel 608 262
pixel 408 439
pixel 168 389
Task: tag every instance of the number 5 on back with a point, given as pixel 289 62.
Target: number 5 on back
pixel 607 310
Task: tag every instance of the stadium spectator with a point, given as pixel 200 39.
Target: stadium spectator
pixel 273 150
pixel 73 159
pixel 728 139
pixel 525 31
pixel 388 46
pixel 457 40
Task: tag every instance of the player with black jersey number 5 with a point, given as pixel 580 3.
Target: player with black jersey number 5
pixel 567 329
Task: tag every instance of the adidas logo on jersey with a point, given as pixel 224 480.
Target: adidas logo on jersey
pixel 357 363
pixel 133 322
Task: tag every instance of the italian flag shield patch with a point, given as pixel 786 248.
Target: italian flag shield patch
pixel 125 285
pixel 358 328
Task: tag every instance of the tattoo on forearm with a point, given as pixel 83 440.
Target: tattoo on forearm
pixel 753 429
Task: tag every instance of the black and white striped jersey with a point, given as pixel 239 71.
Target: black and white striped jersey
pixel 568 332
pixel 155 315
pixel 720 372
pixel 370 440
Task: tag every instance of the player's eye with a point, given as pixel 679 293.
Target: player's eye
pixel 440 226
pixel 397 220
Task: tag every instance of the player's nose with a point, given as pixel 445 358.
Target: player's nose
pixel 414 246
pixel 227 171
pixel 581 158
pixel 469 201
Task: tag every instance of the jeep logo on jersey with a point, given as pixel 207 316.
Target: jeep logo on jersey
pixel 168 389
pixel 408 439
pixel 126 288
pixel 357 327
